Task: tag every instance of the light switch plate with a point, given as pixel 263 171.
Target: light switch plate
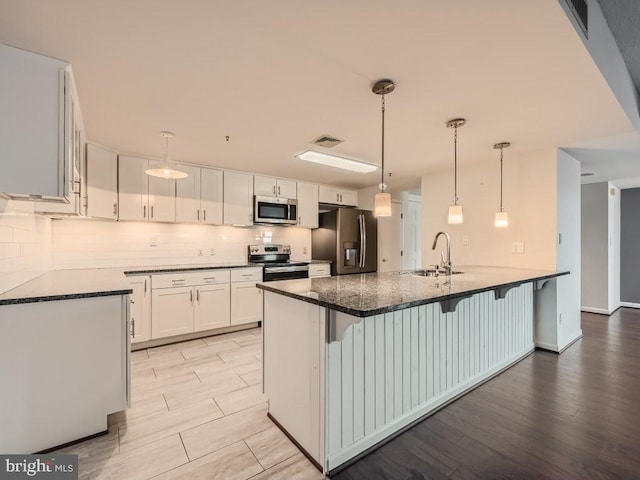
pixel 517 247
pixel 465 239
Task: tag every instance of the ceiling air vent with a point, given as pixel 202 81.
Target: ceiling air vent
pixel 580 9
pixel 327 141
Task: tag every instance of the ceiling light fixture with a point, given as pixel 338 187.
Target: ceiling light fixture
pixel 167 169
pixel 336 161
pixel 382 201
pixel 455 210
pixel 502 219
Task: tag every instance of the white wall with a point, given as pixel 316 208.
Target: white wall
pixel 78 243
pixel 614 225
pixel 25 241
pixel 529 199
pixel 568 253
pixel 595 250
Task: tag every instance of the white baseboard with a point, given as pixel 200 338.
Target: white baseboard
pixel 630 304
pixel 573 339
pixel 547 346
pixel 602 311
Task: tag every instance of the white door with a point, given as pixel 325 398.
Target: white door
pixel 308 205
pixel 162 198
pixel 102 182
pixel 172 312
pixel 265 186
pixel 246 303
pixel 412 238
pixel 188 196
pixel 238 198
pixel 211 196
pixel 212 307
pixel 390 240
pixel 286 188
pixel 140 308
pixel 133 188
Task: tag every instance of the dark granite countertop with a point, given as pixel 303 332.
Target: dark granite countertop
pixel 375 293
pixel 183 268
pixel 67 285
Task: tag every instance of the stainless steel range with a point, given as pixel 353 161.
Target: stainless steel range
pixel 277 263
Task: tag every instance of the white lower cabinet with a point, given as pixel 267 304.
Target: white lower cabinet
pixel 187 302
pixel 172 312
pixel 213 307
pixel 246 303
pixel 317 270
pixel 140 311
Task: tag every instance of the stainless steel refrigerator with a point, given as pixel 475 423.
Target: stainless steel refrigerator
pixel 349 239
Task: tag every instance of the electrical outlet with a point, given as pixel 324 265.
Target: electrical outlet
pixel 200 252
pixel 212 252
pixel 153 242
pixel 465 240
pixel 560 319
pixel 517 247
pixel 304 251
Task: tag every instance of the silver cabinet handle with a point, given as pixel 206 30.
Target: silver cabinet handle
pixel 151 211
pixel 133 327
pixel 198 214
pixel 198 295
pixel 274 189
pixel 144 211
pixel 278 190
pixel 191 295
pixel 204 215
pixel 145 286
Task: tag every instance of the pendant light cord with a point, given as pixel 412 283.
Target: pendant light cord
pixel 455 165
pixel 382 185
pixel 501 207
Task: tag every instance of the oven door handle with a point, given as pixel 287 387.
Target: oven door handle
pixel 297 268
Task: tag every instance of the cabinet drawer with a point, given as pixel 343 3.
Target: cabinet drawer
pixel 253 274
pixel 320 270
pixel 210 277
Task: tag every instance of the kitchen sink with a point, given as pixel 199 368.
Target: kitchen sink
pixel 430 273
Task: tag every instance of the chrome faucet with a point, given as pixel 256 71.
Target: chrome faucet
pixel 444 264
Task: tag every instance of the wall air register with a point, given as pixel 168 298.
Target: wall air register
pixel 580 10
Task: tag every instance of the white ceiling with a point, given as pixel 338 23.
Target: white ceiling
pixel 275 75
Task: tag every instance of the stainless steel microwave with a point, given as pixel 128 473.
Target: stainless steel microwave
pixel 277 211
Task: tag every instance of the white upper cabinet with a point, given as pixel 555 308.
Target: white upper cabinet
pixel 199 196
pixel 101 182
pixel 41 132
pixel 133 188
pixel 238 198
pixel 274 187
pixel 307 205
pixel 338 196
pixel 162 197
pixel 211 196
pixel 188 196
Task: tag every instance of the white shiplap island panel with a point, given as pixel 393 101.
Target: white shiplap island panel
pixel 394 368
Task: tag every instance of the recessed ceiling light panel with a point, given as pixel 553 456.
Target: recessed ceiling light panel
pixel 336 161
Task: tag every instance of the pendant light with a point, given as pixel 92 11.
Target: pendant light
pixel 502 219
pixel 455 210
pixel 382 199
pixel 167 169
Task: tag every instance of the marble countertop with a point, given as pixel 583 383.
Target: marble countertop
pixel 68 284
pixel 375 293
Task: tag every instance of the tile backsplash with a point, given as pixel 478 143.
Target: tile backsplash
pixel 25 244
pixel 79 243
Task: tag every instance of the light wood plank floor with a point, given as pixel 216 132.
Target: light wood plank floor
pixel 197 412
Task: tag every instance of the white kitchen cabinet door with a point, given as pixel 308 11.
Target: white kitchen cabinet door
pixel 246 303
pixel 211 196
pixel 140 310
pixel 172 312
pixel 349 198
pixel 212 307
pixel 133 188
pixel 102 182
pixel 162 197
pixel 286 188
pixel 265 186
pixel 238 198
pixel 327 194
pixel 188 196
pixel 308 205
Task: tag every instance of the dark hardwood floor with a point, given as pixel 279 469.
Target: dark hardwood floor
pixel 569 416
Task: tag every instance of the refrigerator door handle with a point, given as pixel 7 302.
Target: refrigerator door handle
pixel 364 241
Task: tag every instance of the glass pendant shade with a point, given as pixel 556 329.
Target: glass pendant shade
pixel 382 205
pixel 502 220
pixel 455 214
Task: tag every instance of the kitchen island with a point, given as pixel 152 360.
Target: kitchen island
pixel 350 361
